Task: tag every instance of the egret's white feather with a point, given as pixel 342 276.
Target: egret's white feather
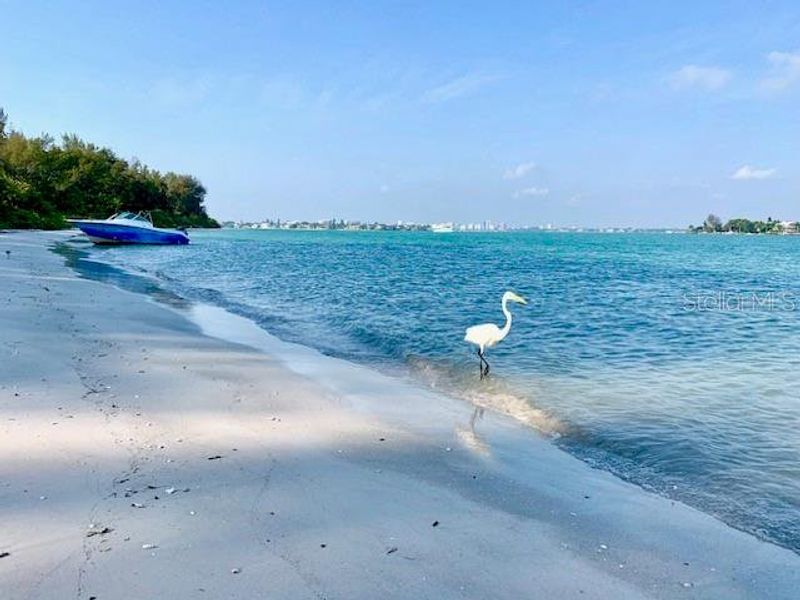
pixel 484 336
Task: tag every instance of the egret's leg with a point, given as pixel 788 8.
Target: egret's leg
pixel 480 363
pixel 484 364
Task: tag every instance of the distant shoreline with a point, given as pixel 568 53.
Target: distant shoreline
pixel 427 229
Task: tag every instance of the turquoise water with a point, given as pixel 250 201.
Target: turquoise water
pixel 671 360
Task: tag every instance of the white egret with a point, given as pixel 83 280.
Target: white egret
pixel 488 335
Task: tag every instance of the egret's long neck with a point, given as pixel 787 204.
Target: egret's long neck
pixel 507 327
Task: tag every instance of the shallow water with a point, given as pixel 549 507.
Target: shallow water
pixel 671 360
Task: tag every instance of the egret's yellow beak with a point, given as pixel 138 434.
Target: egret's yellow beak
pixel 518 299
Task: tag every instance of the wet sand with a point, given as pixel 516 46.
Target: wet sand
pixel 150 450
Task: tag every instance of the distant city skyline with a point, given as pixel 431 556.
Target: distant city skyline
pixel 592 114
pixel 400 225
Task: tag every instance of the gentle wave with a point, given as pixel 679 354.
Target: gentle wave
pixel 492 393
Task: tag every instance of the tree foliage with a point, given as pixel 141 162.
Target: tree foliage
pixel 713 224
pixel 42 183
pixel 748 226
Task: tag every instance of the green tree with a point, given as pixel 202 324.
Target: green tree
pixel 712 223
pixel 42 182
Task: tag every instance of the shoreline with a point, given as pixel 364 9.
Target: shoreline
pixel 343 456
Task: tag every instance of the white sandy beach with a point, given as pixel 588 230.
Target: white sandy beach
pixel 154 452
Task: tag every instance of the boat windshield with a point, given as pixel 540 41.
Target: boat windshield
pixel 129 217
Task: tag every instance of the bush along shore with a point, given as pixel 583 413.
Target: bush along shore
pixel 42 183
pixel 713 224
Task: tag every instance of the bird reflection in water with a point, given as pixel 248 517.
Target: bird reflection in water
pixel 470 438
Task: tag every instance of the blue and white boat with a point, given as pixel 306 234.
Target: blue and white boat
pixel 129 228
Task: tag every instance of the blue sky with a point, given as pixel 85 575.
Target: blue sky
pixel 583 113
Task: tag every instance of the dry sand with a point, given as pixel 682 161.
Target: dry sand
pixel 142 457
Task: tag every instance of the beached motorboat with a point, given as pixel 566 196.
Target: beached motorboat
pixel 129 228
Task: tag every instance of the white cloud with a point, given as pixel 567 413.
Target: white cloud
pixel 748 172
pixel 519 171
pixel 531 192
pixel 695 77
pixel 784 71
pixel 456 88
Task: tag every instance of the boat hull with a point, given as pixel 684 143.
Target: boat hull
pixel 110 233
